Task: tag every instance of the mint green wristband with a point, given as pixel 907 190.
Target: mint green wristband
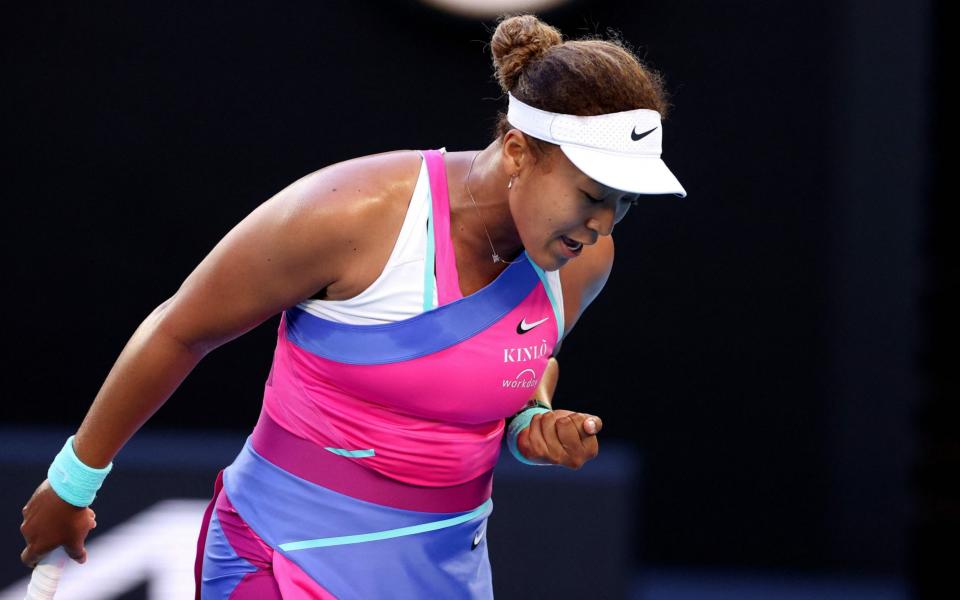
pixel 520 422
pixel 74 481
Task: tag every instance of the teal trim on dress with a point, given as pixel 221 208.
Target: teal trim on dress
pixel 352 453
pixel 481 511
pixel 557 309
pixel 428 261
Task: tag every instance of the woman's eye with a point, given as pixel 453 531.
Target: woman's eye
pixel 593 200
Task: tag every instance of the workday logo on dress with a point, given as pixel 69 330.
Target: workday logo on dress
pixel 525 379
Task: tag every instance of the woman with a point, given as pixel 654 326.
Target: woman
pixel 423 295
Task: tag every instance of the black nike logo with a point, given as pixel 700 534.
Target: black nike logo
pixel 523 326
pixel 639 136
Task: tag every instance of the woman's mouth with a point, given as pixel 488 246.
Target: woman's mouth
pixel 572 247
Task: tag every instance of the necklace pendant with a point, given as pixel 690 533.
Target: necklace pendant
pixel 496 258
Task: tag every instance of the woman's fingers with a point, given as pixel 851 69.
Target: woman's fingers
pixel 49 522
pixel 576 454
pixel 591 446
pixel 542 442
pixel 566 444
pixel 30 556
pixel 76 551
pixel 568 435
pixel 530 443
pixel 556 452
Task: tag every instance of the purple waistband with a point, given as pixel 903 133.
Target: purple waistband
pixel 341 474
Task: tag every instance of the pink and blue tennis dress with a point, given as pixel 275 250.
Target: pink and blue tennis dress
pixel 369 472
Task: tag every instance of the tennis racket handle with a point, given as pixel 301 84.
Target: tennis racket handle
pixel 46 575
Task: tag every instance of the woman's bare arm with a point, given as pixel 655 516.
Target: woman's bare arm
pixel 292 245
pixel 286 249
pixel 583 280
pixel 563 437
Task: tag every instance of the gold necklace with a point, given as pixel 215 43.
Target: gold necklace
pixel 495 256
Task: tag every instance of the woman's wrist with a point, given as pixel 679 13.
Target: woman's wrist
pixel 75 482
pixel 518 423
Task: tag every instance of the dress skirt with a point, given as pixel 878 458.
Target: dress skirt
pixel 314 524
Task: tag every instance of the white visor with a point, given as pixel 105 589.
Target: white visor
pixel 620 150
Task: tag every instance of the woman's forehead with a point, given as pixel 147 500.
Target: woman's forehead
pixel 606 190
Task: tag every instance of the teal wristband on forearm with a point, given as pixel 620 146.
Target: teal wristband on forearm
pixel 73 481
pixel 520 422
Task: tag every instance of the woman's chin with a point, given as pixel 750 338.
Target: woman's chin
pixel 548 261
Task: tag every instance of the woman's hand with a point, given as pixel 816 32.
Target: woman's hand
pixel 561 437
pixel 49 522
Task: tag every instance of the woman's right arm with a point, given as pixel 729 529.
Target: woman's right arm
pixel 289 247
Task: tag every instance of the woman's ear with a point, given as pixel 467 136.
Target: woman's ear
pixel 514 152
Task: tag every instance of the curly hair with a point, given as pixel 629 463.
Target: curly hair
pixel 588 76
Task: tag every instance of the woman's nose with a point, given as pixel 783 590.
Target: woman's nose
pixel 603 221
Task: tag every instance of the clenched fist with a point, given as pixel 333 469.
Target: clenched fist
pixel 560 437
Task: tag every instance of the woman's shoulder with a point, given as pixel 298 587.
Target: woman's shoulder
pixel 364 200
pixel 364 183
pixel 365 197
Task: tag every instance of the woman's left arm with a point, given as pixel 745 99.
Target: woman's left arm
pixel 563 437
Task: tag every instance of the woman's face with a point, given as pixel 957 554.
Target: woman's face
pixel 556 206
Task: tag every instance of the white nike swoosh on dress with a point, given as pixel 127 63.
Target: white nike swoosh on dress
pixel 528 326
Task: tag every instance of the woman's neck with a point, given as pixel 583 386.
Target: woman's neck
pixel 489 205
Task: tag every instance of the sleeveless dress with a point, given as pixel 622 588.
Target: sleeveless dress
pixel 369 472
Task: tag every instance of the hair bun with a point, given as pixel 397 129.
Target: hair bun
pixel 517 42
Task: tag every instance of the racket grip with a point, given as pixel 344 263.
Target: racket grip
pixel 46 575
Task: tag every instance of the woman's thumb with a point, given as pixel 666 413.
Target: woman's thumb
pixel 592 425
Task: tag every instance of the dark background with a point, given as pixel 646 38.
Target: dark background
pixel 776 345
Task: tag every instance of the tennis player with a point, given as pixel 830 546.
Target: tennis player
pixel 423 296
